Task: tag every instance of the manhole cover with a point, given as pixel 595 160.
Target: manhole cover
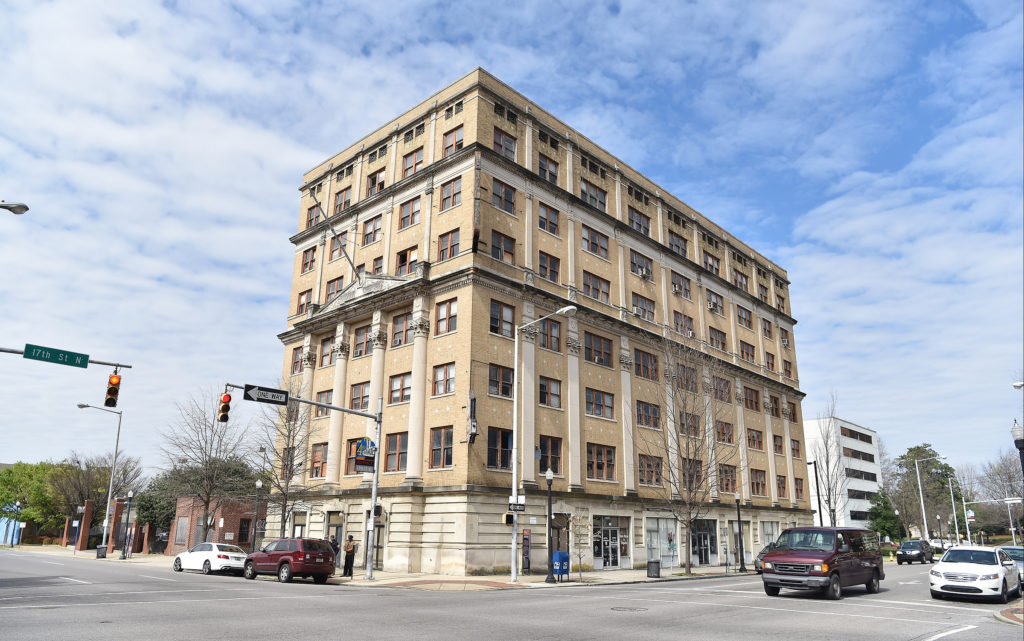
pixel 629 609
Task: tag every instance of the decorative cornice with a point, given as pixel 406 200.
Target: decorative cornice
pixel 574 345
pixel 529 334
pixel 379 339
pixel 626 362
pixel 342 348
pixel 421 328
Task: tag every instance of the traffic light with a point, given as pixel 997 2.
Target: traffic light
pixel 113 387
pixel 225 407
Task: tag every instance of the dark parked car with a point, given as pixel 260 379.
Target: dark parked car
pixel 288 558
pixel 826 559
pixel 910 551
pixel 759 559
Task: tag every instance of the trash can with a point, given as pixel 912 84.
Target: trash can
pixel 101 552
pixel 654 569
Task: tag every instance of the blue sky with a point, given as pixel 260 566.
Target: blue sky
pixel 874 149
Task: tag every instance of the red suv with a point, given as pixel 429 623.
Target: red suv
pixel 288 558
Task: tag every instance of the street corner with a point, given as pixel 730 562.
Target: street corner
pixel 1013 615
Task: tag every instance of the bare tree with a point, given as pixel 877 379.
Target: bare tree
pixel 828 459
pixel 695 449
pixel 890 473
pixel 1002 476
pixel 78 479
pixel 579 528
pixel 207 458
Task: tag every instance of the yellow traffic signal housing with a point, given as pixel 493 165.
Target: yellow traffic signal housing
pixel 225 407
pixel 113 387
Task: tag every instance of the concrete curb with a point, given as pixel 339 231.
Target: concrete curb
pixel 1013 616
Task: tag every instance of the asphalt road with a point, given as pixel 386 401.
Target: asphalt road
pixel 43 597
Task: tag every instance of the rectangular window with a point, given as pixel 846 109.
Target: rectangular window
pixel 401 329
pixel 308 260
pixel 688 378
pixel 600 462
pixel 780 302
pixel 550 335
pixel 792 413
pixel 595 242
pixel 444 379
pixel 342 200
pixel 405 262
pixel 499 448
pixel 746 351
pixel 350 458
pixel 682 323
pixel 794 448
pixel 297 360
pixel 784 335
pixel 311 216
pixel 502 318
pixel 769 361
pixel 446 316
pixel 593 195
pixel 502 196
pixel 739 279
pixel 692 472
pixel 639 222
pixel 648 415
pixel 326 352
pixel 338 245
pixel 396 452
pixel 762 293
pixel 548 219
pixel 318 461
pixel 371 231
pixel 596 287
pixel 504 144
pixel 374 182
pixel 715 302
pixel 548 169
pixel 452 141
pixel 181 530
pixel 751 399
pixel 600 403
pixel 550 392
pixel 597 349
pixel 689 424
pixel 401 388
pixel 440 447
pixel 755 439
pixel 758 484
pixel 744 317
pixel 451 193
pixel 645 364
pixel 412 162
pixel 766 327
pixel 322 397
pixel 676 244
pixel 448 245
pixel 409 213
pixel 787 369
pixel 547 267
pixel 378 265
pixel 717 338
pixel 550 455
pixel 363 344
pixel 640 265
pixel 649 468
pixel 727 478
pixel 499 380
pixel 798 486
pixel 776 407
pixel 680 285
pixel 777 444
pixel 780 486
pixel 334 287
pixel 643 307
pixel 305 298
pixel 503 247
pixel 724 432
pixel 711 263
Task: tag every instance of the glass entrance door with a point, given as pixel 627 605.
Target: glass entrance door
pixel 611 542
pixel 702 548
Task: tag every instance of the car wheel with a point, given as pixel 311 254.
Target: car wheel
pixel 1004 596
pixel 206 567
pixel 284 573
pixel 771 590
pixel 834 591
pixel 872 585
pixel 937 595
pixel 320 578
pixel 250 570
pixel 177 565
pixel 898 562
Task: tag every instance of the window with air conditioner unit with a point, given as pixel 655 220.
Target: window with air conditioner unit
pixel 712 306
pixel 689 333
pixel 785 342
pixel 637 311
pixel 677 290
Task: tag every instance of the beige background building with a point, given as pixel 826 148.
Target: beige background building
pixel 420 249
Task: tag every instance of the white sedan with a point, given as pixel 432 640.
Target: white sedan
pixel 975 571
pixel 211 557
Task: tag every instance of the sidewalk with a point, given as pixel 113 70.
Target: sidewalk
pixel 423 580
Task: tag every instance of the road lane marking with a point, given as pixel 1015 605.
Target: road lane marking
pixel 81 594
pixel 67 578
pixel 53 563
pixel 205 600
pixel 929 604
pixel 946 634
pixel 158 578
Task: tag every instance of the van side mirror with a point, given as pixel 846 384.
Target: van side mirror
pixel 844 548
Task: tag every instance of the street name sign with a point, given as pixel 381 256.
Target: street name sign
pixel 265 395
pixel 59 356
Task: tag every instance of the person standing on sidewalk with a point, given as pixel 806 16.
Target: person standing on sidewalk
pixel 350 555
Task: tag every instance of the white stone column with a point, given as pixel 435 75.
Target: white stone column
pixel 379 337
pixel 431 138
pixel 741 444
pixel 335 453
pixel 421 379
pixel 575 446
pixel 571 238
pixel 527 397
pixel 626 414
pixel 531 231
pixel 788 450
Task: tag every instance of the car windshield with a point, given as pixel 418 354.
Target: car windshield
pixel 978 557
pixel 231 548
pixel 911 545
pixel 806 540
pixel 1017 554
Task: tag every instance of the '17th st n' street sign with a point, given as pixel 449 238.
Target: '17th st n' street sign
pixel 59 356
pixel 265 395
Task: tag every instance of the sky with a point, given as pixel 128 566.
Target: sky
pixel 872 149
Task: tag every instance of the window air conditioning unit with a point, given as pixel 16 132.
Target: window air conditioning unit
pixel 645 273
pixel 689 333
pixel 711 305
pixel 637 311
pixel 397 341
pixel 677 289
pixel 785 342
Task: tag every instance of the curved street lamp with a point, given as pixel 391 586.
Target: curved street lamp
pixel 920 492
pixel 14 208
pixel 113 466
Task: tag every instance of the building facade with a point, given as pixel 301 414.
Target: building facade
pixel 855 448
pixel 421 250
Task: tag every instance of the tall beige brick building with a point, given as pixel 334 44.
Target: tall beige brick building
pixel 419 251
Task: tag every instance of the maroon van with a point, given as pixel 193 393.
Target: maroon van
pixel 289 558
pixel 826 559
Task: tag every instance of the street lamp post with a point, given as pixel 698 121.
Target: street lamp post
pixel 17 522
pixel 898 537
pixel 920 492
pixel 1018 440
pixel 256 513
pixel 817 493
pixel 127 520
pixel 938 518
pixel 14 208
pixel 1009 516
pixel 549 476
pixel 568 310
pixel 113 466
pixel 952 506
pixel 739 534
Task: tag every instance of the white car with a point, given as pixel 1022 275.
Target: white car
pixel 975 571
pixel 211 557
